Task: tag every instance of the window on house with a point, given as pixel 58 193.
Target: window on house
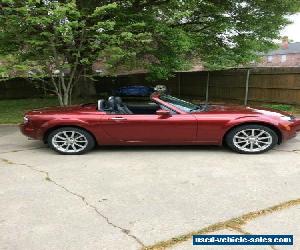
pixel 283 58
pixel 269 58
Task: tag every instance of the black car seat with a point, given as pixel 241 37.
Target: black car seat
pixel 121 107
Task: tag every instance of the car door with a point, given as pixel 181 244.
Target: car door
pixel 151 128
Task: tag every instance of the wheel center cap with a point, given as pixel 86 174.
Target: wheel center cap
pixel 252 139
pixel 70 141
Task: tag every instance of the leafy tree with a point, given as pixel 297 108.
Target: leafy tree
pixel 62 39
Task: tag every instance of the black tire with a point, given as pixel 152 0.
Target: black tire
pixel 83 141
pixel 236 143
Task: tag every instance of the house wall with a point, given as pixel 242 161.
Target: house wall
pixel 292 60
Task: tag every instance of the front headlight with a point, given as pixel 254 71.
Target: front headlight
pixel 25 120
pixel 287 118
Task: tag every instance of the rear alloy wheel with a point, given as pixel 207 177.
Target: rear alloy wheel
pixel 251 139
pixel 69 140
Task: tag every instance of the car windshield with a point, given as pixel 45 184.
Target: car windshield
pixel 181 104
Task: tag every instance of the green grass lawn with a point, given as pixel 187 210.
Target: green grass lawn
pixel 12 111
pixel 282 107
pixel 293 109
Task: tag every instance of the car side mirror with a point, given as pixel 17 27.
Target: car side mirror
pixel 162 112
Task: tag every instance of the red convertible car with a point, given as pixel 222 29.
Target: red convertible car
pixel 165 120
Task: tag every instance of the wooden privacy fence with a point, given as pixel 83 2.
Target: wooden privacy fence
pixel 272 85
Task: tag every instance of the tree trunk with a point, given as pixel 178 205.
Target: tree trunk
pixel 66 99
pixel 62 92
pixel 60 100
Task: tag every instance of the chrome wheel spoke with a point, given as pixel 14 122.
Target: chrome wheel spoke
pixel 65 134
pixel 78 137
pixel 80 142
pixel 246 144
pixel 243 132
pixel 60 137
pixel 81 146
pixel 239 142
pixel 60 141
pixel 263 142
pixel 83 139
pixel 263 138
pixel 261 133
pixel 241 137
pixel 257 144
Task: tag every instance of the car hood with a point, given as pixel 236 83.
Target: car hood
pixel 64 110
pixel 245 110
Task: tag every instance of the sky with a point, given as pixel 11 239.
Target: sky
pixel 293 30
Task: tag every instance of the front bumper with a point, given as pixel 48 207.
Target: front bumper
pixel 296 125
pixel 289 130
pixel 31 132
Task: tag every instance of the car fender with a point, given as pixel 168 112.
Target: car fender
pixel 50 124
pixel 63 122
pixel 251 119
pixel 96 131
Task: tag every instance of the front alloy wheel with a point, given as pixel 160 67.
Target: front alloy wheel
pixel 69 140
pixel 251 139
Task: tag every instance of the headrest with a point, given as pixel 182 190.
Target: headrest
pixel 101 105
pixel 112 102
pixel 111 98
pixel 118 100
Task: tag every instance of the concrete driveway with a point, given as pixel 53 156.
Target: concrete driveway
pixel 143 197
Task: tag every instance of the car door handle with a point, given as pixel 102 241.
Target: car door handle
pixel 118 118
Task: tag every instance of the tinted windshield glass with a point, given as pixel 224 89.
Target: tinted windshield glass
pixel 178 103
